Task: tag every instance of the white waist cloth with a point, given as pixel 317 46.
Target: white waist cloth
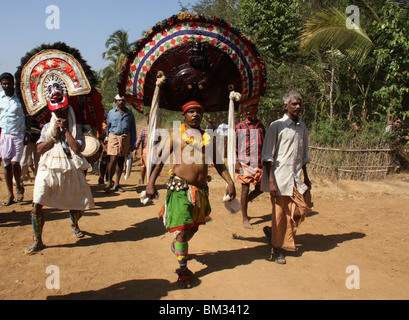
pixel 62 189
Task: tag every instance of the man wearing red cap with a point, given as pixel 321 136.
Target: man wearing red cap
pixel 60 181
pixel 187 203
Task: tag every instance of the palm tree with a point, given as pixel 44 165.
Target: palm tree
pixel 333 30
pixel 118 48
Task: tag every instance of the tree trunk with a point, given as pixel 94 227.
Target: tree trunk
pixel 331 88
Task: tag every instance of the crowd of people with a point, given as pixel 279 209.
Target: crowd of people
pixel 273 160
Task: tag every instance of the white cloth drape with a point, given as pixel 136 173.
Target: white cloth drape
pixel 153 116
pixel 232 205
pixel 231 136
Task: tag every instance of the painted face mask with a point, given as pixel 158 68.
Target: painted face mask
pixel 55 92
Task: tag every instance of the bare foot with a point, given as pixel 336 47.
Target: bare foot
pixel 8 201
pixel 20 194
pixel 247 224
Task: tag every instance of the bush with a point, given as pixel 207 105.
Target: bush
pixel 340 133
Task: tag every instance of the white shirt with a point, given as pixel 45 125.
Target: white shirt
pixel 223 129
pixel 286 147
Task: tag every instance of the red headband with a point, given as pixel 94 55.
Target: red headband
pixel 191 105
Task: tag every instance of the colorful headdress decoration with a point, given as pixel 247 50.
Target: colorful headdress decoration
pixel 58 65
pixel 203 59
pixel 186 58
pixel 42 67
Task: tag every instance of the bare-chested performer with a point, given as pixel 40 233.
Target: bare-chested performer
pixel 187 203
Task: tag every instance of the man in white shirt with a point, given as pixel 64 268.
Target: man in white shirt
pixel 284 157
pixel 14 134
pixel 222 130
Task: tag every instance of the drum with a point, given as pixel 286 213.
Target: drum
pixel 93 149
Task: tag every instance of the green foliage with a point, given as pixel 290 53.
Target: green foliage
pixel 275 26
pixel 328 29
pixel 118 47
pixel 340 132
pixel 392 33
pixel 225 9
pixel 367 79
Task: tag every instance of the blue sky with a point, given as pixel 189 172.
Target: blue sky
pixel 84 25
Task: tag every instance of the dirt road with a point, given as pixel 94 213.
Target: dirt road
pixel 125 252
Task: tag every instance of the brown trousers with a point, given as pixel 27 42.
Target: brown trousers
pixel 288 213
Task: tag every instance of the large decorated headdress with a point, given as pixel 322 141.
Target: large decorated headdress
pixel 203 59
pixel 61 66
pixel 188 57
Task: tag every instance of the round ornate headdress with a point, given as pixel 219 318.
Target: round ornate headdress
pixel 202 59
pixel 45 65
pixel 193 58
pixel 59 63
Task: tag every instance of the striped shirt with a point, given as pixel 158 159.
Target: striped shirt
pixel 249 142
pixel 142 139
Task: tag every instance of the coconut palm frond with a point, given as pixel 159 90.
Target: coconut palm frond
pixel 332 28
pixel 117 44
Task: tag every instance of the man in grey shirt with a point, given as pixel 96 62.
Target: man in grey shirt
pixel 284 157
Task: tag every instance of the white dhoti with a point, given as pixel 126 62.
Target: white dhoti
pixel 60 180
pixel 62 189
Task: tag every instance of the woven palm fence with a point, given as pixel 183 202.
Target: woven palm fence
pixel 353 164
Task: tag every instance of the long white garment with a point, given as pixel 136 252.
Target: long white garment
pixel 60 181
pixel 62 189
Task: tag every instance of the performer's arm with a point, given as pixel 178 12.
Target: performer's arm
pixel 224 173
pixel 150 187
pixel 73 144
pixel 43 147
pixel 157 169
